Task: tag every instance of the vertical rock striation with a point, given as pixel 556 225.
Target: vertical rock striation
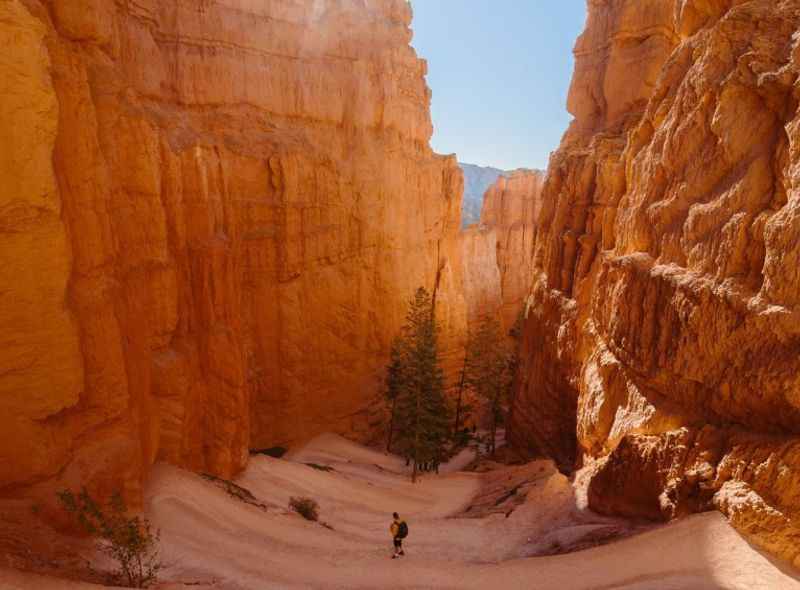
pixel 662 343
pixel 212 215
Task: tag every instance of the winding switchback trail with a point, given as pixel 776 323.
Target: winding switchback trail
pixel 210 536
pixel 468 530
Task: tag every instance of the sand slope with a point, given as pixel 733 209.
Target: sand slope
pixel 216 541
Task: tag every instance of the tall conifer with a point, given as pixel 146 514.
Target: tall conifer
pixel 415 387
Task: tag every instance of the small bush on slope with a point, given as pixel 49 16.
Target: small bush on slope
pixel 306 507
pixel 128 540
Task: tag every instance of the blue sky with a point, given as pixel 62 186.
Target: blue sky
pixel 499 71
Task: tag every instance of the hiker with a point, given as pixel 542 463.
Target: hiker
pixel 399 530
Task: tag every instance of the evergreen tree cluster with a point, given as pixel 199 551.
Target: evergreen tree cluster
pixel 421 428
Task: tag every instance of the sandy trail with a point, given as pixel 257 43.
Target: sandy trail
pixel 210 535
pixel 212 540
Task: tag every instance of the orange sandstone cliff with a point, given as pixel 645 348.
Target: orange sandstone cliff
pixel 512 207
pixel 497 253
pixel 212 214
pixel 482 280
pixel 662 342
pixel 497 258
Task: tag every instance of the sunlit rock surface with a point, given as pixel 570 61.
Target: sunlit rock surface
pixel 212 216
pixel 482 280
pixel 512 207
pixel 662 340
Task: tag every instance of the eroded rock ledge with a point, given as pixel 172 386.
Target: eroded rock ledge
pixel 662 341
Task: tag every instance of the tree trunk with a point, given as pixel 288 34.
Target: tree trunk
pixel 391 426
pixel 493 433
pixel 416 438
pixel 460 394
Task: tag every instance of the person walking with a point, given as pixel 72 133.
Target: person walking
pixel 399 530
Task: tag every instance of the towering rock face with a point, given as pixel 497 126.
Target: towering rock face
pixel 212 215
pixel 497 256
pixel 662 343
pixel 497 252
pixel 482 280
pixel 512 207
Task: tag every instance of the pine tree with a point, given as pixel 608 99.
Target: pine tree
pixel 415 387
pixel 489 370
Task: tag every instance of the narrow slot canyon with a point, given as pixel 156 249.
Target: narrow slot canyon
pixel 214 214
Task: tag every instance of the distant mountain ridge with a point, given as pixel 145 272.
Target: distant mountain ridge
pixel 477 180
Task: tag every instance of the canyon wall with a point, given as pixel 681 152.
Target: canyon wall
pixel 497 259
pixel 212 216
pixel 497 252
pixel 662 340
pixel 482 280
pixel 512 207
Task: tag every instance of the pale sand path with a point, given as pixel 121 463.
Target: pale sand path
pixel 222 543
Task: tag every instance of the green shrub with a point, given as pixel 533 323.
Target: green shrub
pixel 306 507
pixel 131 541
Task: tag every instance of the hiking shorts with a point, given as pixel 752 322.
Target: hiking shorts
pixel 398 542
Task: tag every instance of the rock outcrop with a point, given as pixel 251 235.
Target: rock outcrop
pixel 482 280
pixel 212 216
pixel 512 207
pixel 662 340
pixel 497 253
